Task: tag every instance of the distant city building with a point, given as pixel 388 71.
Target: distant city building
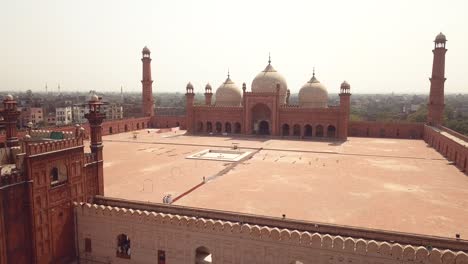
pixel 79 112
pixel 63 115
pixel 113 111
pixel 37 115
pixel 34 115
pixel 51 119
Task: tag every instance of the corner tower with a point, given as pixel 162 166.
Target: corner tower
pixel 436 97
pixel 147 83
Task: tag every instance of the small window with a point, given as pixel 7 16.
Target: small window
pixel 123 246
pixel 58 175
pixel 161 257
pixel 88 245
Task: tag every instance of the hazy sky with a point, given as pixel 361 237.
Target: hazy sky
pixel 377 46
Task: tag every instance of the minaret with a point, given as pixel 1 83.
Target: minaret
pixel 345 104
pixel 95 118
pixel 147 82
pixel 189 96
pixel 121 94
pixel 435 115
pixel 208 94
pixel 10 116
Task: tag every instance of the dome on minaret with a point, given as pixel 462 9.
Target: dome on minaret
pixel 228 94
pixel 146 50
pixel 440 38
pixel 208 86
pixel 313 94
pixel 189 85
pixel 93 98
pixel 266 81
pixel 345 85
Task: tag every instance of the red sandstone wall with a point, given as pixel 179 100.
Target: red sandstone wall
pixel 450 148
pixel 386 129
pixel 15 235
pixel 160 121
pixel 52 212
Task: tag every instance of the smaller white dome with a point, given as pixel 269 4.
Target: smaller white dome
pixel 313 94
pixel 93 98
pixel 8 97
pixel 228 94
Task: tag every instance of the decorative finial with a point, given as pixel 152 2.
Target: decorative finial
pixel 269 58
pixel 229 75
pixel 313 73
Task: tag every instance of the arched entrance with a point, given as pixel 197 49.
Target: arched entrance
pixel 331 131
pixel 308 131
pixel 261 116
pixel 285 130
pixel 203 255
pixel 263 128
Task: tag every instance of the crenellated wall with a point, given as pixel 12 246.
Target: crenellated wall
pixel 386 129
pixel 179 236
pixel 55 145
pixel 450 144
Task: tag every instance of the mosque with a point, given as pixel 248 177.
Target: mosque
pixel 265 110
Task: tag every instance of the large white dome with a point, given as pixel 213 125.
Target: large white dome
pixel 266 81
pixel 313 94
pixel 228 94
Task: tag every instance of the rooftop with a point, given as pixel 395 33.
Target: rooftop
pixel 390 184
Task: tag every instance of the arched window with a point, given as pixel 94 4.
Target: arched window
pixel 331 131
pixel 237 128
pixel 177 124
pixel 209 127
pixel 297 130
pixel 58 174
pixel 319 131
pixel 308 131
pixel 285 130
pixel 123 246
pixel 143 125
pixel 110 130
pixel 203 255
pixel 227 127
pixel 219 127
pixel 138 125
pixel 126 128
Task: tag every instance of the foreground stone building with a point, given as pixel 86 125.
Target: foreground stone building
pixel 53 208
